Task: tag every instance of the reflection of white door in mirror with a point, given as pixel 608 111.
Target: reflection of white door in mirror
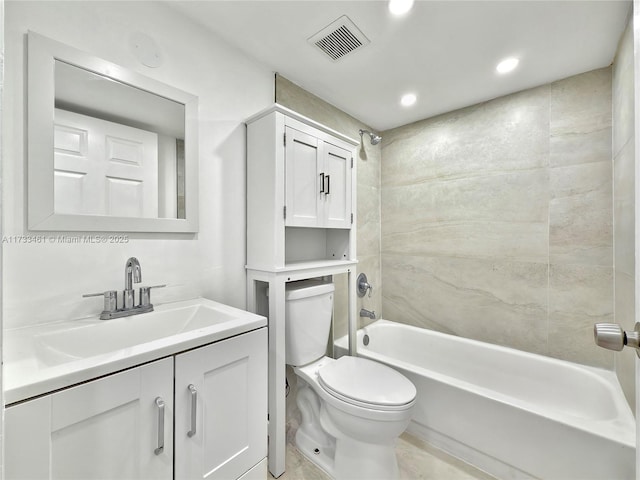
pixel 104 168
pixel 134 194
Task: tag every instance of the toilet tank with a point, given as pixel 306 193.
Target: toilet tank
pixel 308 311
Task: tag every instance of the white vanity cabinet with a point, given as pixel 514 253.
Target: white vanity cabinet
pixel 122 425
pixel 318 180
pixel 106 428
pixel 221 408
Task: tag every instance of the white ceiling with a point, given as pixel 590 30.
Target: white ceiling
pixel 443 51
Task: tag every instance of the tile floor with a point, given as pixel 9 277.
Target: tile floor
pixel 416 459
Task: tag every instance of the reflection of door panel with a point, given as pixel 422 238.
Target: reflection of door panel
pixel 104 168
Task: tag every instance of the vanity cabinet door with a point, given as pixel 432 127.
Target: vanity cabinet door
pixel 106 428
pixel 221 408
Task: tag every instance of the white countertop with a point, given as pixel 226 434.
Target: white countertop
pixel 34 365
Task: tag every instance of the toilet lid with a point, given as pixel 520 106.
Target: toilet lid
pixel 367 382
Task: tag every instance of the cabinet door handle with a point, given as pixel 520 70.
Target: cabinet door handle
pixel 322 182
pixel 328 177
pixel 194 406
pixel 160 404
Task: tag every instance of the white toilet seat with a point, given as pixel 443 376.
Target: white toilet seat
pixel 368 384
pixel 354 409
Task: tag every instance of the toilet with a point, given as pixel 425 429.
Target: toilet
pixel 353 409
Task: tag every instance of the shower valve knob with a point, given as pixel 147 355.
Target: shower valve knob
pixel 611 336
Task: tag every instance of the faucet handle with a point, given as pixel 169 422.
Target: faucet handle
pixel 110 299
pixel 145 294
pixel 363 285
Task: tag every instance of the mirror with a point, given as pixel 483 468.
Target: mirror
pixel 109 149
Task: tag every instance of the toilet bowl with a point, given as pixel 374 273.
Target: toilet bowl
pixel 363 406
pixel 353 409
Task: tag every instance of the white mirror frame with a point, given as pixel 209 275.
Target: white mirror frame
pixel 42 54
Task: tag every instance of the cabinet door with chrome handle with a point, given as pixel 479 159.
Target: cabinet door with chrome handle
pixel 221 408
pixel 117 422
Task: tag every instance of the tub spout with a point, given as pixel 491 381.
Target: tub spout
pixel 366 313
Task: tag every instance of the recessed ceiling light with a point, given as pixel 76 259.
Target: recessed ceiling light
pixel 408 99
pixel 507 65
pixel 400 7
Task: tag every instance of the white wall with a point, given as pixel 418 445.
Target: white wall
pixel 44 282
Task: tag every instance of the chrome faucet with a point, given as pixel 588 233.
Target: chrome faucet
pixel 367 313
pixel 132 274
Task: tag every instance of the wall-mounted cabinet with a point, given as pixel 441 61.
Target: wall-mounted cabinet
pixel 300 176
pixel 132 425
pixel 317 183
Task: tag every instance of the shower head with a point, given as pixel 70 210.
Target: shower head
pixel 375 139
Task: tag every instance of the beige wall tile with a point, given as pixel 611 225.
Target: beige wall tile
pixel 623 91
pixel 496 216
pixel 624 201
pixel 624 208
pixel 580 214
pixel 496 301
pixel 476 204
pixel 625 316
pixel 494 137
pixel 580 119
pixel 368 237
pixel 579 296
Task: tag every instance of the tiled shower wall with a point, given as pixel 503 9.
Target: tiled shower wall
pixel 367 163
pixel 624 203
pixel 497 220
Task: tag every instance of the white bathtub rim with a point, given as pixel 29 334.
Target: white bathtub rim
pixel 502 348
pixel 616 429
pixel 620 429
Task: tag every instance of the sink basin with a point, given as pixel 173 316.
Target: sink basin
pixel 51 356
pixel 105 336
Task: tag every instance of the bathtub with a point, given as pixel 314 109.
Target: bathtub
pixel 510 413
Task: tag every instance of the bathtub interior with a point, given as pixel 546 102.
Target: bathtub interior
pixel 584 405
pixel 547 385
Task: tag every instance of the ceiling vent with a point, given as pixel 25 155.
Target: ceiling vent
pixel 339 39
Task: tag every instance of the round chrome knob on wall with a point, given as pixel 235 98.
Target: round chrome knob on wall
pixel 363 285
pixel 611 336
